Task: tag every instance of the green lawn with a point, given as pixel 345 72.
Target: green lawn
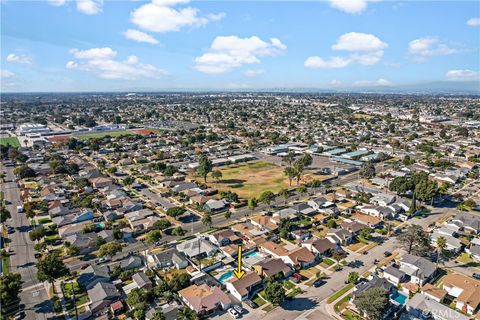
pixel 294 292
pixel 13 141
pixel 249 179
pixel 258 300
pixel 340 293
pixel 6 265
pixel 328 262
pixel 104 134
pixel 288 285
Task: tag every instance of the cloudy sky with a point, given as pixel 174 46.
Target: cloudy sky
pixel 94 45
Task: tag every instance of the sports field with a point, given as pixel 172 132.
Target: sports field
pixel 13 141
pixel 250 179
pixel 104 134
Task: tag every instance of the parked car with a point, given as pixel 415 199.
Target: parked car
pixel 238 308
pixel 297 276
pixel 233 313
pixel 103 259
pixel 84 266
pixel 38 255
pixel 387 253
pixel 476 276
pixel 294 280
pixel 375 261
pixel 319 283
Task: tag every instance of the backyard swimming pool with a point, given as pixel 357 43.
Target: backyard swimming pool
pixel 400 298
pixel 224 277
pixel 251 254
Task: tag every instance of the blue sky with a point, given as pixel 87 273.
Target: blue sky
pixel 92 45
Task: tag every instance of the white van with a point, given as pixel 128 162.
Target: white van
pixel 19 209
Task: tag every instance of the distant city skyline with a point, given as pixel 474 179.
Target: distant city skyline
pixel 94 45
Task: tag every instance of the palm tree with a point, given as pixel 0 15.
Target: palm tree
pixel 441 244
pixel 186 314
pixel 207 220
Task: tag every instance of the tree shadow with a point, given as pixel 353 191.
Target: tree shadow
pixel 299 304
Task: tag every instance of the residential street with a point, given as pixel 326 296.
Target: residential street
pixel 35 301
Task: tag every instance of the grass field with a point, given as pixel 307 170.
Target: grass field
pixel 13 141
pixel 104 134
pixel 340 293
pixel 250 179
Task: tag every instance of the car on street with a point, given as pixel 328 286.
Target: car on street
pixel 103 259
pixel 319 282
pixel 375 261
pixel 387 253
pixel 233 313
pixel 19 209
pixel 476 276
pixel 19 315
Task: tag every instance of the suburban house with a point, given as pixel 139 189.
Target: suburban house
pixel 197 247
pixel 299 257
pixel 394 275
pixel 102 295
pixel 167 259
pixel 273 268
pixel 466 290
pixel 421 306
pixel 452 244
pixel 245 287
pixel 139 281
pixel 418 268
pixel 214 205
pixel 340 236
pixel 320 247
pixel 224 237
pixel 204 299
pixel 92 275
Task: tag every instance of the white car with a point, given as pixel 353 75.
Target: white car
pixel 233 313
pixel 238 308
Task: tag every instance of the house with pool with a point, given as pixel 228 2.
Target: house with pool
pixel 245 287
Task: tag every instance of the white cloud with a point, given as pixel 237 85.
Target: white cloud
pixel 473 22
pixel 254 73
pixel 95 53
pixel 5 74
pixel 229 52
pixel 316 62
pixel 357 41
pixel 463 75
pixel 378 83
pixel 57 3
pixel 364 48
pixel 160 16
pixel 350 6
pixel 90 7
pixel 139 36
pixel 423 48
pixel 23 59
pixel 99 61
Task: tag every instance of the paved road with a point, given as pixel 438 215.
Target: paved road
pixel 310 305
pixel 34 298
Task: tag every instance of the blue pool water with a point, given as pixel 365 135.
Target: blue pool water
pixel 400 298
pixel 100 225
pixel 224 277
pixel 251 254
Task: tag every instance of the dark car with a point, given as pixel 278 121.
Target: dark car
pixel 476 276
pixel 365 252
pixel 38 255
pixel 84 266
pixel 387 253
pixel 319 283
pixel 375 261
pixel 293 279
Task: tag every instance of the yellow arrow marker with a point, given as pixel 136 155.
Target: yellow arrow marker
pixel 239 272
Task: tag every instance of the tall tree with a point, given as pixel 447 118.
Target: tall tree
pixel 290 173
pixel 368 170
pixel 252 203
pixel 415 240
pixel 289 158
pixel 109 249
pixel 266 197
pixel 373 302
pixel 298 167
pixel 10 285
pixel 274 292
pixel 204 167
pixel 441 244
pixel 51 267
pixel 207 220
